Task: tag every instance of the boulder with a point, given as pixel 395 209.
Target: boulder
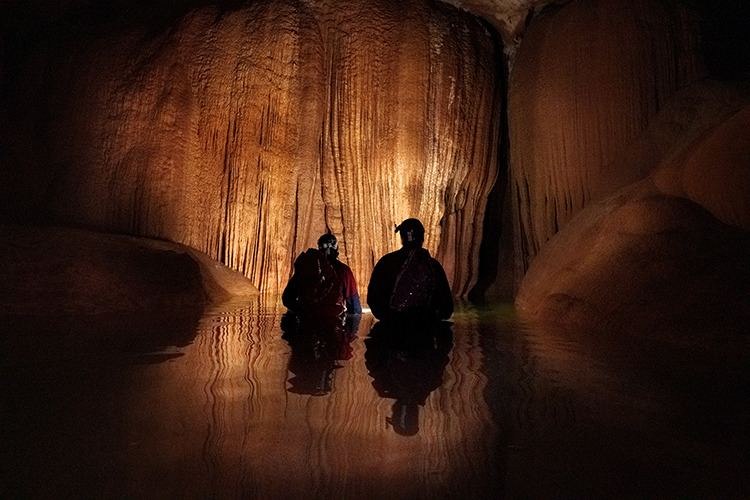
pixel 70 272
pixel 643 262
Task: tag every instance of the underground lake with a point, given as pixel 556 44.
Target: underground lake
pixel 234 404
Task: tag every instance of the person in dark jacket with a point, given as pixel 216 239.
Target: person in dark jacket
pixel 409 284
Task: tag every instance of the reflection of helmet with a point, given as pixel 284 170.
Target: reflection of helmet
pixel 328 245
pixel 405 418
pixel 412 232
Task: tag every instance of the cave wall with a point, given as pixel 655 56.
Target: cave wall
pixel 587 79
pixel 246 129
pixel 714 170
pixel 632 179
pixel 246 132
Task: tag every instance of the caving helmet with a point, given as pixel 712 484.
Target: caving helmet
pixel 412 233
pixel 329 246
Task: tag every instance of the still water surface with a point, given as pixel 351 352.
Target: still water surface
pixel 237 407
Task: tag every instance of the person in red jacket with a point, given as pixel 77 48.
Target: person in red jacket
pixel 329 246
pixel 314 291
pixel 409 284
pixel 321 284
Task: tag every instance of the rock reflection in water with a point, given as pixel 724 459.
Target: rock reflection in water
pixel 248 412
pixel 504 411
pixel 592 414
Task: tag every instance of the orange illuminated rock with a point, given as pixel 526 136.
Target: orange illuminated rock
pixel 642 262
pixel 688 116
pixel 60 271
pixel 715 171
pixel 670 253
pixel 248 132
pixel 587 79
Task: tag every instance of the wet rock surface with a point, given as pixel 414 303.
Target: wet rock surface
pixel 61 271
pixel 643 262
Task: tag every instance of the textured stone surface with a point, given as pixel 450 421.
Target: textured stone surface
pixel 715 171
pixel 684 118
pixel 60 271
pixel 586 80
pixel 246 133
pixel 509 17
pixel 643 262
pixel 668 254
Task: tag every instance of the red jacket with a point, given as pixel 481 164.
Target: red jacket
pixel 351 296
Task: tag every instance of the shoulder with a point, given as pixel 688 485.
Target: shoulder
pixel 397 255
pixel 341 267
pixel 437 265
pixel 390 260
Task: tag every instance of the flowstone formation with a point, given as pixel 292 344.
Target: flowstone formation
pixel 587 79
pixel 246 129
pixel 632 203
pixel 247 132
pixel 668 254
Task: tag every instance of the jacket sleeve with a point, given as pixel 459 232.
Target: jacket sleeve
pixel 351 295
pixel 290 297
pixel 353 304
pixel 377 295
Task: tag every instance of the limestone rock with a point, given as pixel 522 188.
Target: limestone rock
pixel 715 171
pixel 686 117
pixel 643 262
pixel 669 254
pixel 587 79
pixel 509 17
pixel 246 132
pixel 59 271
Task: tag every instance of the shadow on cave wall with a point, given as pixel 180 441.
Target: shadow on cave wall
pixel 726 38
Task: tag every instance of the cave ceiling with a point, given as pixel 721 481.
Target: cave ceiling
pixel 509 17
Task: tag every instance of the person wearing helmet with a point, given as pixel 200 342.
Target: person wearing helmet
pixel 329 246
pixel 409 284
pixel 314 291
pixel 321 284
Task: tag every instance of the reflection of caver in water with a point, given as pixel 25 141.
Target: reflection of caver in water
pixel 409 284
pixel 316 347
pixel 407 368
pixel 318 294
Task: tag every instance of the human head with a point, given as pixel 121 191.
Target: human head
pixel 412 233
pixel 405 418
pixel 328 245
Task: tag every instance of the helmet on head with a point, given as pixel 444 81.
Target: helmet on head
pixel 329 245
pixel 405 418
pixel 412 232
